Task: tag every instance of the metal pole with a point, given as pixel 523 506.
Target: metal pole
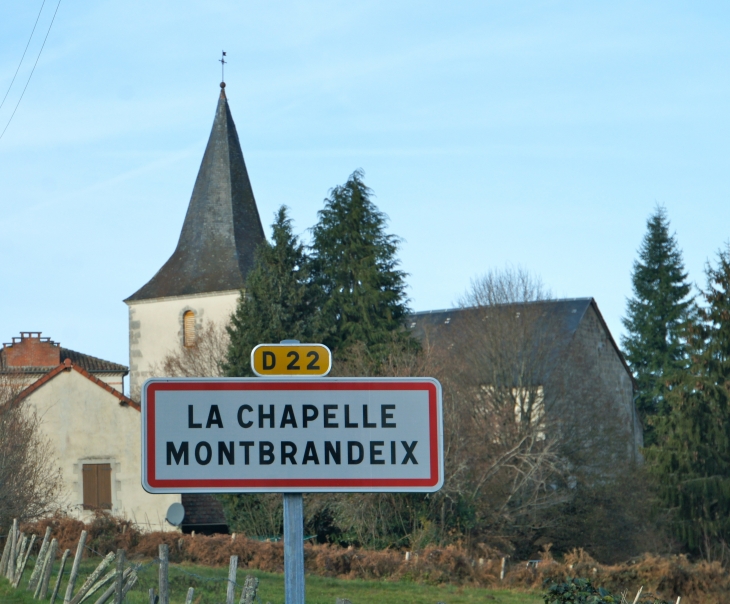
pixel 293 548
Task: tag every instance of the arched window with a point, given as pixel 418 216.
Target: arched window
pixel 189 329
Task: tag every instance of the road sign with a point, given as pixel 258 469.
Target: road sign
pixel 292 435
pixel 289 359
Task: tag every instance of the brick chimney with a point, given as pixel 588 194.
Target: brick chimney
pixel 31 350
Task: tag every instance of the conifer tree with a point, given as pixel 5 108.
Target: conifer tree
pixel 276 303
pixel 692 456
pixel 655 314
pixel 361 292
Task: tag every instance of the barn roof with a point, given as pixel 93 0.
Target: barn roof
pixel 222 228
pixel 561 317
pixel 567 313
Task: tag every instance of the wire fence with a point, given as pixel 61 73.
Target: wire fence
pixel 152 577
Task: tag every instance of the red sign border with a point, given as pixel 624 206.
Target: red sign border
pixel 155 485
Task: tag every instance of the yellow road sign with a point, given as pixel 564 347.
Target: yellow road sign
pixel 291 359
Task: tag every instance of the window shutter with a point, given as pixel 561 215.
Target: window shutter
pixel 104 482
pixel 91 500
pixel 189 328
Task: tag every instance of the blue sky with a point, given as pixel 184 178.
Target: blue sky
pixel 533 134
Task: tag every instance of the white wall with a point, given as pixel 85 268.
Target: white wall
pixel 156 328
pixel 87 424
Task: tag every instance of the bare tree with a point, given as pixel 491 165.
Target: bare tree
pixel 204 359
pixel 532 416
pixel 30 479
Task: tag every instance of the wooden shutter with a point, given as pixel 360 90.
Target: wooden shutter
pixel 189 328
pixel 91 489
pixel 97 486
pixel 104 482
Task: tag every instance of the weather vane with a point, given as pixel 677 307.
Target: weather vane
pixel 223 66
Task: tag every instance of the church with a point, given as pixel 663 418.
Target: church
pixel 101 463
pixel 95 428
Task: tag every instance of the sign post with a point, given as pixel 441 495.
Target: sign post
pixel 263 359
pixel 292 435
pixel 293 548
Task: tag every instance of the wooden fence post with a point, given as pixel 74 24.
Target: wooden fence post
pixel 24 561
pixel 152 595
pixel 120 576
pixel 75 568
pixel 60 576
pixel 189 597
pixel 248 595
pixel 35 576
pixel 131 582
pixel 113 588
pixel 45 579
pixel 6 553
pixel 19 556
pixel 163 587
pixel 10 570
pixel 231 591
pixel 93 577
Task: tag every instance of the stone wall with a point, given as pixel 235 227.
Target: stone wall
pixel 156 329
pixel 87 424
pixel 595 342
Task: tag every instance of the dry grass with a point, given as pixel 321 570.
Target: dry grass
pixel 667 576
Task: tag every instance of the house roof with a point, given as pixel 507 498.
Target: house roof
pixel 84 361
pixel 222 228
pixel 563 317
pixel 92 364
pixel 68 365
pixel 567 314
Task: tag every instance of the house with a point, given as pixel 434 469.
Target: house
pixel 93 427
pixel 560 350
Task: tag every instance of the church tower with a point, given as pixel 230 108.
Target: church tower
pixel 202 279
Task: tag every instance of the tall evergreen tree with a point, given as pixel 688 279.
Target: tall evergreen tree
pixel 655 314
pixel 354 268
pixel 692 456
pixel 276 303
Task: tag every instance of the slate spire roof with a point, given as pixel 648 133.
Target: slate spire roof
pixel 222 227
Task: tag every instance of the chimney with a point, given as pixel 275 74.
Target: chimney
pixel 31 350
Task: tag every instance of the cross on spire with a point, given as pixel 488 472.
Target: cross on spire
pixel 223 62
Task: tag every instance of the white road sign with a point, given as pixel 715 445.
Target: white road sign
pixel 292 435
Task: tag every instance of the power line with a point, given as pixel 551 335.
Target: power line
pixel 23 57
pixel 32 70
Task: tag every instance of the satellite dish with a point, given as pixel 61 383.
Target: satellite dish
pixel 175 514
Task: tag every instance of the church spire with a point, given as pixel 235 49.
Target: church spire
pixel 222 228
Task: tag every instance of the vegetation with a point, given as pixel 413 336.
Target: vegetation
pixel 582 591
pixel 361 292
pixel 30 478
pixel 536 454
pixel 202 562
pixel 210 588
pixel 692 458
pixel 277 303
pixel 661 304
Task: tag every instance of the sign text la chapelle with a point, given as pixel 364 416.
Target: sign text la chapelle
pixel 292 435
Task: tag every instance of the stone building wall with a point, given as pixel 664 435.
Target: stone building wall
pixel 86 424
pixel 595 342
pixel 156 329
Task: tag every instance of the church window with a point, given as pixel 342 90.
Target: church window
pixel 189 329
pixel 97 486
